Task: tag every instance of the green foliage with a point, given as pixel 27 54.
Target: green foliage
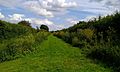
pixel 44 27
pixel 98 38
pixel 87 33
pixel 25 23
pixel 8 30
pixel 15 47
pixel 54 55
pixel 17 40
pixel 75 41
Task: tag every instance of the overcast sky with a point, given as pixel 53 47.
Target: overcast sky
pixel 57 14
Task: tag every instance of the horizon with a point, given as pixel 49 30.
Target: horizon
pixel 56 14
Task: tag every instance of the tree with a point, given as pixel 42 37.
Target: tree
pixel 44 27
pixel 25 23
pixel 37 29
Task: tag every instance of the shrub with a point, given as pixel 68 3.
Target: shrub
pixel 75 41
pixel 17 47
pixel 44 27
pixel 106 54
pixel 87 33
pixel 25 23
pixel 40 36
pixel 9 30
pixel 100 38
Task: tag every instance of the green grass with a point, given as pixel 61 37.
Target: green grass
pixel 53 55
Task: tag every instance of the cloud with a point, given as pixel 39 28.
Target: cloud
pixel 48 7
pixel 91 17
pixel 50 24
pixel 37 21
pixel 1 16
pixel 11 4
pixel 109 3
pixel 16 17
pixel 35 7
pixel 41 21
pixel 55 27
pixel 99 11
pixel 63 4
pixel 56 4
pixel 72 21
pixel 41 7
pixel 98 7
pixel 47 11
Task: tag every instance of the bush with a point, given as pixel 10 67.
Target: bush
pixel 17 47
pixel 106 54
pixel 17 40
pixel 75 41
pixel 87 33
pixel 44 27
pixel 25 23
pixel 8 30
pixel 99 38
pixel 40 36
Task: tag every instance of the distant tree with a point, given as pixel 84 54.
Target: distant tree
pixel 44 27
pixel 25 23
pixel 37 29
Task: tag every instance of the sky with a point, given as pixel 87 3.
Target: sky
pixel 56 14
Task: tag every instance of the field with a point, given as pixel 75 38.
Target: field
pixel 54 55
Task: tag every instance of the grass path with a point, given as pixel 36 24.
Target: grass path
pixel 53 55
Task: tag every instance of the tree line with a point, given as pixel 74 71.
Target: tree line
pixel 98 38
pixel 17 40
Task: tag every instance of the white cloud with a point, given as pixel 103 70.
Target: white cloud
pixel 1 16
pixel 41 7
pixel 28 19
pixel 56 3
pixel 72 21
pixel 59 8
pixel 55 27
pixel 11 4
pixel 99 11
pixel 35 7
pixel 50 24
pixel 16 17
pixel 63 3
pixel 92 17
pixel 109 3
pixel 41 21
pixel 48 7
pixel 19 17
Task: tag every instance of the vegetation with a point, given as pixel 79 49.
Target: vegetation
pixel 9 30
pixel 54 55
pixel 24 23
pixel 96 47
pixel 17 40
pixel 99 39
pixel 44 27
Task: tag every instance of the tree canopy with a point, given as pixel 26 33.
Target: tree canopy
pixel 25 23
pixel 44 27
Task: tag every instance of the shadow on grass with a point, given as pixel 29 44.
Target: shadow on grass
pixel 107 59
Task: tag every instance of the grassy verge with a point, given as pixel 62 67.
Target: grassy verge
pixel 54 55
